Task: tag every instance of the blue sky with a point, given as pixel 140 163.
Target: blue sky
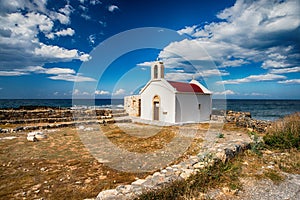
pixel 238 49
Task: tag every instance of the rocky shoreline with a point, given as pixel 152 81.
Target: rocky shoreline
pixel 243 119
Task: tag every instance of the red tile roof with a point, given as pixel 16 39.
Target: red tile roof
pixel 186 87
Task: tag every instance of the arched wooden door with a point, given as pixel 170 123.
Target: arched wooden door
pixel 156 105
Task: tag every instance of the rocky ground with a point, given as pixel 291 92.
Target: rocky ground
pixel 275 175
pixel 65 165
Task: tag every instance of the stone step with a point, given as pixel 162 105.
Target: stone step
pixel 120 114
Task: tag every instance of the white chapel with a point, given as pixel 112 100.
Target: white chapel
pixel 170 101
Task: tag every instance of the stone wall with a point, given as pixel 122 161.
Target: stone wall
pixel 132 105
pixel 181 171
pixel 241 119
pixel 49 115
pixel 14 120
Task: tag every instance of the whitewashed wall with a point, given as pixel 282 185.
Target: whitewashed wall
pixel 187 107
pixel 167 102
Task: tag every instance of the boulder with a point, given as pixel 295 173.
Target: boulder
pixel 35 136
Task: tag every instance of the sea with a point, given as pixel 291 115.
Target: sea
pixel 260 109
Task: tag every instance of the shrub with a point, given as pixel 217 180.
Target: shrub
pixel 284 133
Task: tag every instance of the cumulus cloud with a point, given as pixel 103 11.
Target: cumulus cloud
pixel 119 92
pixel 291 81
pixel 72 78
pixel 274 64
pixel 113 8
pixel 256 94
pixel 65 74
pixel 12 73
pixel 77 92
pixel 261 31
pixel 59 53
pixel 64 32
pixel 95 2
pixel 179 75
pixel 285 70
pixel 146 64
pixel 254 78
pixel 23 25
pixel 190 30
pixel 102 92
pixel 225 92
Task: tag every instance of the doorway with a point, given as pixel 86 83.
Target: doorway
pixel 139 108
pixel 156 108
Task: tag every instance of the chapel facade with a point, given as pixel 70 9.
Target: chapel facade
pixel 170 101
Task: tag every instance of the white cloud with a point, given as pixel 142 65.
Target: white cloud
pixel 21 33
pixel 119 92
pixel 57 70
pixel 234 63
pixel 291 81
pixel 72 78
pixel 225 92
pixel 102 92
pixel 256 94
pixel 274 64
pixel 250 31
pixel 86 16
pixel 95 2
pixel 62 18
pixel 67 10
pixel 146 64
pixel 49 51
pixel 15 5
pixel 76 92
pixel 253 78
pixel 113 8
pixel 213 72
pixel 92 38
pixel 42 70
pixel 64 32
pixel 285 70
pixel 179 75
pixel 65 74
pixel 205 53
pixel 83 8
pixel 12 73
pixel 190 30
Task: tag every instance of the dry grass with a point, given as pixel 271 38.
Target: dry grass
pixel 61 167
pixel 284 133
pixel 55 168
pixel 139 144
pixel 228 175
pixel 220 175
pixel 289 124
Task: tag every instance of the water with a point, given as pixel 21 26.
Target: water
pixel 259 109
pixel 62 103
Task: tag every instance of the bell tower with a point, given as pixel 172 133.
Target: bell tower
pixel 157 70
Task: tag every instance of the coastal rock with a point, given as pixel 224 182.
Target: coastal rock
pixel 241 119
